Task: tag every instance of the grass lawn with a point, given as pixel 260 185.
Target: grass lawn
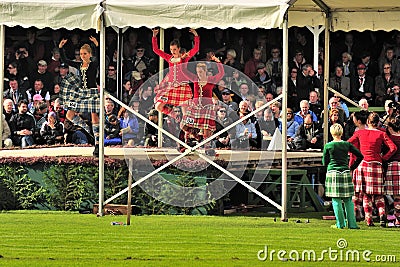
pixel 34 238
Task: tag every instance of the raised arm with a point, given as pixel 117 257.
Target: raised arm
pixel 157 50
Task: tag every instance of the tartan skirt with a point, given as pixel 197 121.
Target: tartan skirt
pixel 339 184
pixel 368 178
pixel 199 117
pixel 392 183
pixel 82 100
pixel 174 94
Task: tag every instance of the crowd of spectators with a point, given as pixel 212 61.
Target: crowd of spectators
pixel 364 71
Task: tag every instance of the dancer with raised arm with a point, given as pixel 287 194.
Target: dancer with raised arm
pixel 174 90
pixel 81 93
pixel 199 119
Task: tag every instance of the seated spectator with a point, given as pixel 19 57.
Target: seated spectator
pixel 58 108
pixel 384 84
pixel 394 94
pixel 236 81
pixel 339 82
pixel 309 135
pixel 363 103
pixel 111 131
pixel 37 100
pixel 292 127
pixel 334 104
pixel 7 142
pixel 304 111
pixel 261 94
pixel 151 132
pixel 52 131
pixel 315 104
pixel 129 127
pixel 8 110
pixel 222 120
pixel 333 118
pixel 22 126
pixel 74 134
pixel 40 116
pixel 362 86
pixel 262 77
pixel 246 135
pixel 172 125
pixel 267 125
pixel 342 105
pixel 127 92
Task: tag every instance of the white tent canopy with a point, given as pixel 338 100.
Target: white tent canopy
pixel 55 14
pixel 195 14
pixel 347 15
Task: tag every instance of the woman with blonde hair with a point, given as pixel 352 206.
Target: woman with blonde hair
pixel 338 183
pixel 81 94
pixel 199 119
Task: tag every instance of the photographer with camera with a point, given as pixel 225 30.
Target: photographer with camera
pixel 25 64
pixel 384 85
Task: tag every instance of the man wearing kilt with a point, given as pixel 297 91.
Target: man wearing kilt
pixel 173 90
pixel 393 169
pixel 338 183
pixel 81 94
pixel 200 116
pixel 369 174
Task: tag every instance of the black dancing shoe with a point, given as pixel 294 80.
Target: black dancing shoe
pixel 96 151
pixel 382 221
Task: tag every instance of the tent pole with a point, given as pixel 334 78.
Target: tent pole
pixel 102 67
pixel 326 74
pixel 160 78
pixel 316 31
pixel 2 42
pixel 285 58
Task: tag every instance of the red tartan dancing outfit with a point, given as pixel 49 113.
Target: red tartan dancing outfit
pixel 393 177
pixel 368 177
pixel 174 89
pixel 200 113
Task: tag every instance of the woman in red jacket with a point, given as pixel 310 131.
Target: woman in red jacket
pixel 174 90
pixel 393 170
pixel 369 174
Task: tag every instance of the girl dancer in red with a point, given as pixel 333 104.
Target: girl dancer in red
pixel 174 90
pixel 369 174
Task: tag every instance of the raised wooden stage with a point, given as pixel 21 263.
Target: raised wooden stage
pixel 274 158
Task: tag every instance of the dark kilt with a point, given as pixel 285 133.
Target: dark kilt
pixel 392 184
pixel 78 99
pixel 368 178
pixel 174 94
pixel 199 117
pixel 339 184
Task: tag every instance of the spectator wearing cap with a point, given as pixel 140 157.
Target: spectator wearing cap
pixel 39 89
pixel 227 101
pixel 36 100
pixel 362 85
pixel 262 77
pixel 220 86
pixel 151 132
pixel 62 73
pixel 384 84
pixel 42 74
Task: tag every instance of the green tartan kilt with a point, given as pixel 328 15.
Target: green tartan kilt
pixel 339 184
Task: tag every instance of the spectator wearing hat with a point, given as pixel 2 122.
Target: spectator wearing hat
pixel 112 129
pixel 362 85
pixel 262 77
pixel 52 131
pixel 140 63
pixel 36 100
pixel 39 89
pixel 62 73
pixel 151 132
pixel 42 74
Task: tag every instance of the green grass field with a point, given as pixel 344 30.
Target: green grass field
pixel 34 238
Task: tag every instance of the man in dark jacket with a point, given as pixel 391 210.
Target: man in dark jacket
pixel 22 126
